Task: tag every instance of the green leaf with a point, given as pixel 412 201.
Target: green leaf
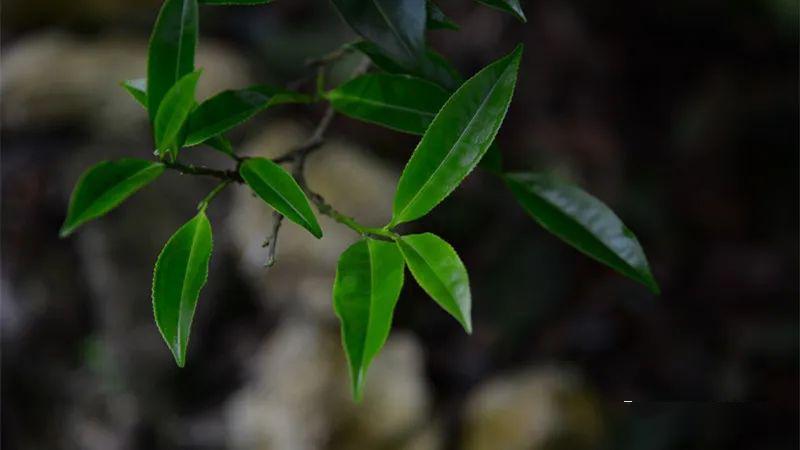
pixel 509 6
pixel 235 2
pixel 437 19
pixel 220 143
pixel 400 102
pixel 368 282
pixel 582 221
pixel 173 112
pixel 396 26
pixel 276 187
pixel 439 271
pixel 456 140
pixel 104 186
pixel 171 52
pixel 437 70
pixel 230 108
pixel 430 66
pixel 138 90
pixel 180 272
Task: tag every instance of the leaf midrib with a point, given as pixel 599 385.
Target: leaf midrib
pixel 642 276
pixel 176 112
pixel 282 197
pixel 227 122
pixel 370 306
pixel 452 147
pixel 181 39
pixel 393 29
pixel 108 191
pixel 372 102
pixel 441 283
pixel 186 272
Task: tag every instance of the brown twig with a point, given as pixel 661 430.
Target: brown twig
pixel 297 157
pixel 272 240
pixel 188 169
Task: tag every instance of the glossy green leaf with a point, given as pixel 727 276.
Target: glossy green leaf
pixel 173 113
pixel 396 26
pixel 276 187
pixel 456 140
pixel 230 108
pixel 437 20
pixel 180 272
pixel 171 51
pixel 583 222
pixel 430 65
pixel 368 282
pixel 235 2
pixel 509 6
pixel 138 90
pixel 439 271
pixel 399 102
pixel 104 186
pixel 436 70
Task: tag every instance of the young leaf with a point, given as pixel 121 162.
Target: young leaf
pixel 230 108
pixel 399 102
pixel 456 140
pixel 276 187
pixel 583 222
pixel 509 6
pixel 104 186
pixel 171 52
pixel 138 90
pixel 396 26
pixel 439 271
pixel 235 2
pixel 173 112
pixel 437 20
pixel 368 282
pixel 430 66
pixel 180 272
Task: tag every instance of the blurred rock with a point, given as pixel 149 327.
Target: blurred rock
pixel 82 89
pixel 355 182
pixel 534 409
pixel 298 397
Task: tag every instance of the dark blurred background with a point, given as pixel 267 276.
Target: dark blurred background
pixel 680 114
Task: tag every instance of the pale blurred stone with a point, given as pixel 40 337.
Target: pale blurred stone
pixel 529 410
pixel 298 396
pixel 350 179
pixel 58 78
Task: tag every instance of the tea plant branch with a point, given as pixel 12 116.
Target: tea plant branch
pixel 298 156
pixel 417 91
pixel 188 169
pixel 272 240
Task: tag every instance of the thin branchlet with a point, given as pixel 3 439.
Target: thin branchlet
pixel 297 158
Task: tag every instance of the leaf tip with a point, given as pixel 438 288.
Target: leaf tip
pixel 652 284
pixel 316 230
pixel 518 50
pixel 358 385
pixel 65 231
pixel 467 324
